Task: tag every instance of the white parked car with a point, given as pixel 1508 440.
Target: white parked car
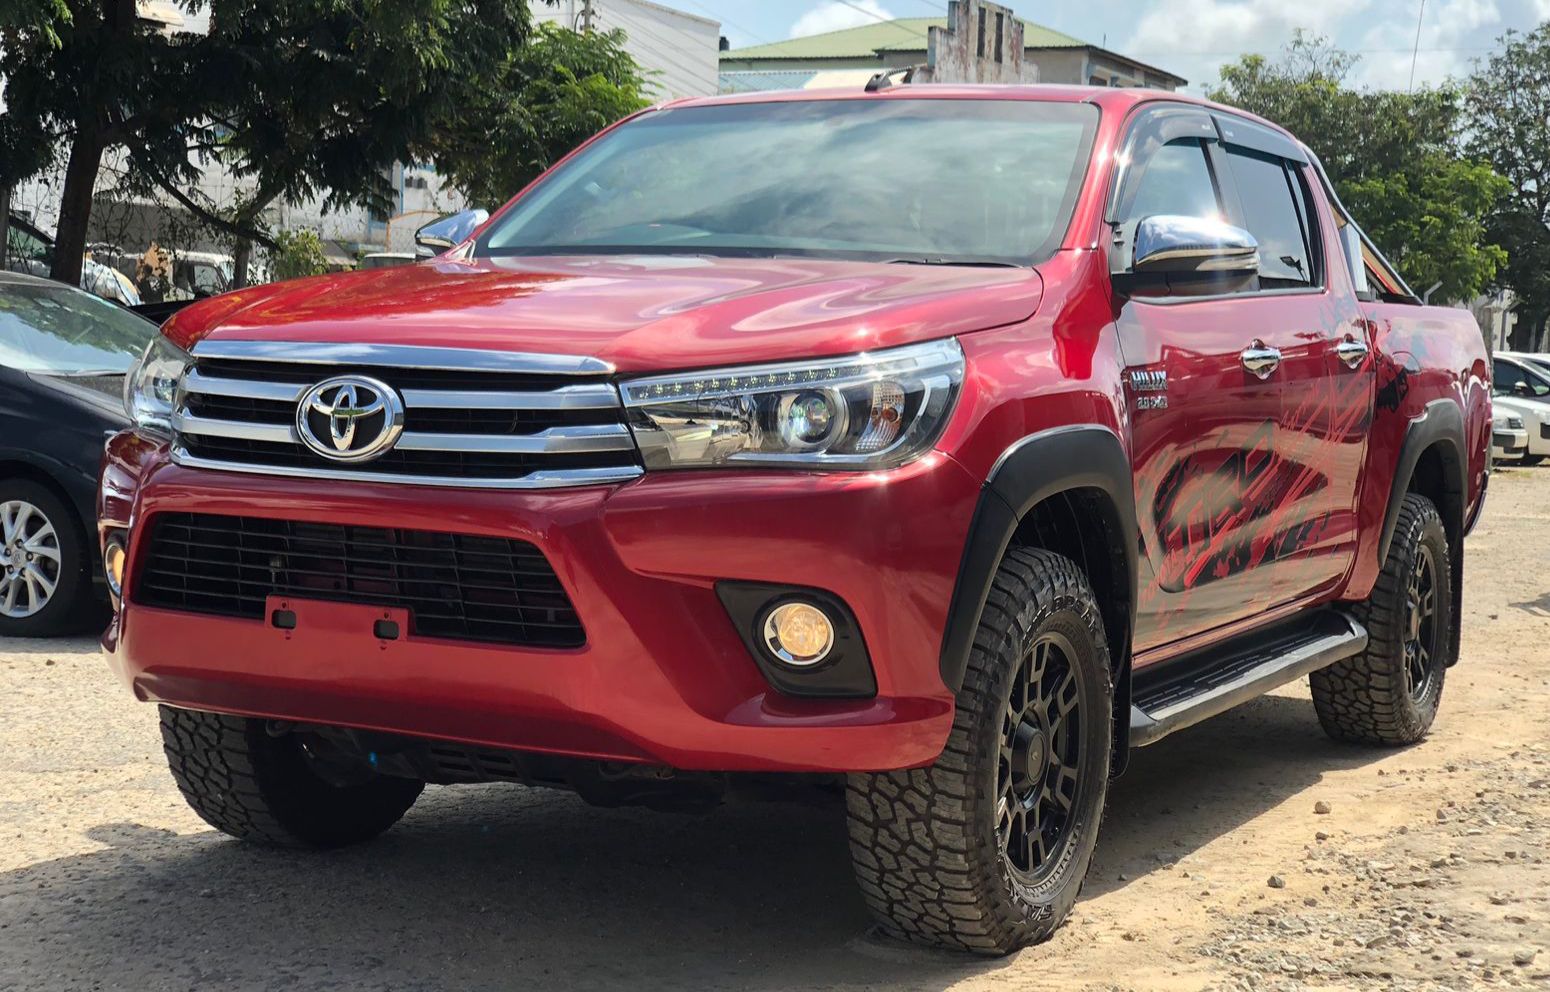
pixel 1522 387
pixel 1509 438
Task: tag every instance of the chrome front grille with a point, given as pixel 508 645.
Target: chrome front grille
pixel 470 418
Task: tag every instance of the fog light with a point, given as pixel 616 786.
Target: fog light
pixel 798 633
pixel 113 558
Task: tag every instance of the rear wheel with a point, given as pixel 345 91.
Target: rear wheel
pixel 987 849
pixel 256 786
pixel 43 562
pixel 1389 694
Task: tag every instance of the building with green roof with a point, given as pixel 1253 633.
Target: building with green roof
pixel 836 56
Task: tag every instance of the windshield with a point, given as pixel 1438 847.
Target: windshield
pixel 61 330
pixel 934 180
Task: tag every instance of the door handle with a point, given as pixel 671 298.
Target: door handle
pixel 1351 351
pixel 1261 360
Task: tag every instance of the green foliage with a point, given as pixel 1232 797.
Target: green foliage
pixel 550 95
pixel 296 254
pixel 301 97
pixel 1394 158
pixel 1507 111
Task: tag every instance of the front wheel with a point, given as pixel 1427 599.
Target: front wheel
pixel 987 849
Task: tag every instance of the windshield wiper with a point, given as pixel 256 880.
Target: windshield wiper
pixel 985 263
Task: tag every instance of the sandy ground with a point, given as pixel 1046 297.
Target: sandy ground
pixel 1428 872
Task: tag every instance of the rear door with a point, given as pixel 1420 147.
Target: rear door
pixel 1235 481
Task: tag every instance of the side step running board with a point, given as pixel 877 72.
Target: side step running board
pixel 1180 693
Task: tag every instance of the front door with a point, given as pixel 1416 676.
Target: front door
pixel 1236 472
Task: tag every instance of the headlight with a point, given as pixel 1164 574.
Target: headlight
pixel 151 387
pixel 1514 423
pixel 868 411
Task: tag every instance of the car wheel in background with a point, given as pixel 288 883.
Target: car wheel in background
pixel 43 562
pixel 274 789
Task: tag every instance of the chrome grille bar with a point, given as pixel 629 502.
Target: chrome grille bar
pixel 596 396
pixel 554 441
pixel 249 389
pixel 473 419
pixel 401 356
pixel 185 423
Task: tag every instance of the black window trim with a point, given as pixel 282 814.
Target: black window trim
pixel 1160 122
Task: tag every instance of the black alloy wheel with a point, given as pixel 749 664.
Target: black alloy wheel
pixel 1421 626
pixel 1039 770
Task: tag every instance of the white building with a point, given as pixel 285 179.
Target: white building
pixel 678 50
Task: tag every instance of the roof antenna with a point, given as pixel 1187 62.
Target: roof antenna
pixel 884 79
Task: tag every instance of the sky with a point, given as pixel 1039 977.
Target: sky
pixel 1194 37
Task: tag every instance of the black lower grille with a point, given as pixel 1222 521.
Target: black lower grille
pixel 458 586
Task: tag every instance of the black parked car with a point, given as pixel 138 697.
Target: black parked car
pixel 63 356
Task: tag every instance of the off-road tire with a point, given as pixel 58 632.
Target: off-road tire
pixel 245 782
pixel 925 843
pixel 66 609
pixel 1367 698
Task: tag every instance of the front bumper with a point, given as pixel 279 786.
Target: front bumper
pixel 1509 442
pixel 664 676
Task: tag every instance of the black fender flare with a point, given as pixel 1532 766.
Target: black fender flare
pixel 1440 421
pixel 1041 465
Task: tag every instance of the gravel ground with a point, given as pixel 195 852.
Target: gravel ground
pixel 1427 868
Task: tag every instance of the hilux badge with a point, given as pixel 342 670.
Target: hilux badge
pixel 350 418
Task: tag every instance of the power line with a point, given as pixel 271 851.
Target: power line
pixel 1415 50
pixel 880 18
pixel 731 23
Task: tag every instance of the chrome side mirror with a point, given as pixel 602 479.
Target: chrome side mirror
pixel 1168 243
pixel 449 232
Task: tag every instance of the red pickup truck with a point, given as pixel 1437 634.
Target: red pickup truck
pixel 939 443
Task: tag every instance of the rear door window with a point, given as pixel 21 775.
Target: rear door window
pixel 1275 210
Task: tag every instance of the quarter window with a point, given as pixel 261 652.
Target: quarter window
pixel 1275 211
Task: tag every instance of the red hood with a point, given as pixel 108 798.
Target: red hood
pixel 640 312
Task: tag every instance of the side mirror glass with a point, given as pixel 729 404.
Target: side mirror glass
pixel 449 232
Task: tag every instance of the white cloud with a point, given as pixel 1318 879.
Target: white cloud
pixel 1444 51
pixel 1196 37
pixel 834 16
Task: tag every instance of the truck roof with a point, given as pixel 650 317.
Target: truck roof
pixel 1113 99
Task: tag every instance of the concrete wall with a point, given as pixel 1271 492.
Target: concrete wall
pixel 679 49
pixel 982 43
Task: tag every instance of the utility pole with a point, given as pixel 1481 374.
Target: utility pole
pixel 586 16
pixel 1416 51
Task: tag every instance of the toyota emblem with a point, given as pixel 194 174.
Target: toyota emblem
pixel 350 418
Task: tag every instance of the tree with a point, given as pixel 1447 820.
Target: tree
pixel 1508 115
pixel 297 253
pixel 298 97
pixel 1394 159
pixel 552 94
